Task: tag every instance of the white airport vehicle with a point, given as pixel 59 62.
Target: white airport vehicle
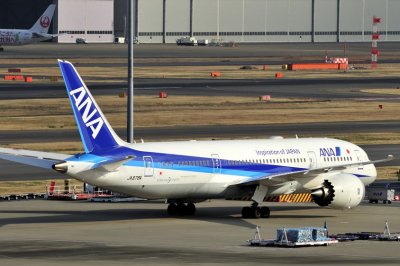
pixel 119 40
pixel 187 172
pixel 38 32
pixel 188 41
pixel 80 41
pixel 202 42
pixel 375 195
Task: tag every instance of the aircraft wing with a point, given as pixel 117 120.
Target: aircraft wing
pixel 37 35
pixel 34 158
pixel 289 176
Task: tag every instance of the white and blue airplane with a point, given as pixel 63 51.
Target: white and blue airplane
pixel 335 172
pixel 37 33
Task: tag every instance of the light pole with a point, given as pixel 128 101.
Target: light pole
pixel 130 135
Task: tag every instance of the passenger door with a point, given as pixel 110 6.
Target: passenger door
pixel 312 159
pixel 216 164
pixel 359 159
pixel 148 166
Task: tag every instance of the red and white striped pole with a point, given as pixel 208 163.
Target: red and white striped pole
pixel 375 38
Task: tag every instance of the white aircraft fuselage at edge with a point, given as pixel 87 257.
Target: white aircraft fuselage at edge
pixel 37 33
pixel 186 172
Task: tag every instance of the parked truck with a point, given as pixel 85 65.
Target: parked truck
pixel 202 42
pixel 380 194
pixel 188 41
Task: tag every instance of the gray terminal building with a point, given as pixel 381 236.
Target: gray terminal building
pixel 164 21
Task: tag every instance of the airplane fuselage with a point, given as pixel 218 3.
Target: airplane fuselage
pixel 18 37
pixel 37 33
pixel 208 169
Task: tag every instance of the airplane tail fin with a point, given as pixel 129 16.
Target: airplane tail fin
pixel 43 23
pixel 96 133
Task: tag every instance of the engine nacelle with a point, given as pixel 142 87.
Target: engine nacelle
pixel 340 192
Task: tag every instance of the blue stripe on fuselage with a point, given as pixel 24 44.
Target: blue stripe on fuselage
pixel 181 163
pixel 165 161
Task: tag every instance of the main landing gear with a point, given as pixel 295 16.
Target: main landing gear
pixel 255 212
pixel 181 209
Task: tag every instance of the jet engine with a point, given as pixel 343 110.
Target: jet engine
pixel 340 192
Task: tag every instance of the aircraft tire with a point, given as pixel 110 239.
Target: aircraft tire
pixel 190 209
pixel 172 209
pixel 265 212
pixel 255 212
pixel 246 212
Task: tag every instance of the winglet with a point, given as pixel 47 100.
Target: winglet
pixel 96 133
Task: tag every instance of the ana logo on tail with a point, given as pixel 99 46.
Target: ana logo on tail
pixel 81 101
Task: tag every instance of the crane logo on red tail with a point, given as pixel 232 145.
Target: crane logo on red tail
pixel 45 21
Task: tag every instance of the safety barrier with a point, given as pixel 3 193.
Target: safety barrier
pixel 18 78
pixel 215 74
pixel 162 94
pixel 301 197
pixel 318 66
pixel 14 70
pixel 264 98
pixel 13 77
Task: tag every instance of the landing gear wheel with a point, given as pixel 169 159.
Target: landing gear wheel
pixel 246 212
pixel 264 212
pixel 190 209
pixel 181 209
pixel 172 209
pixel 256 212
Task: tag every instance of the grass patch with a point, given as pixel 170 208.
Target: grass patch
pixel 94 73
pixel 33 186
pixel 389 91
pixel 388 173
pixel 177 110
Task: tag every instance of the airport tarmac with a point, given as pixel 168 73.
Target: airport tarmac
pixel 276 53
pixel 40 232
pixel 324 88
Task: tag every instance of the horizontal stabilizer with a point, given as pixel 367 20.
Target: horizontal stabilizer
pixel 112 165
pixel 34 158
